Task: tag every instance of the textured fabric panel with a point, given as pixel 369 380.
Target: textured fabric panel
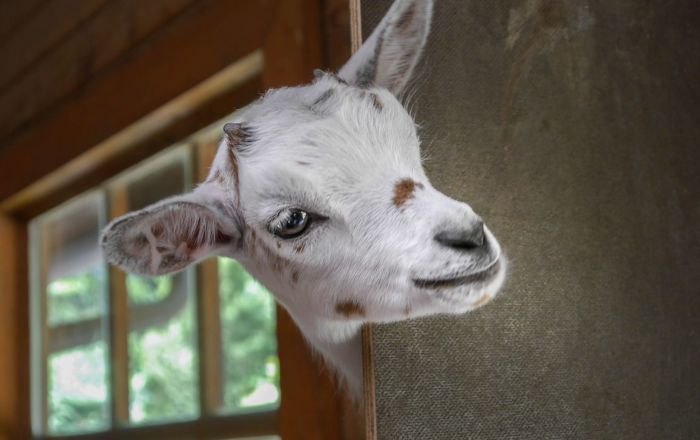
pixel 572 128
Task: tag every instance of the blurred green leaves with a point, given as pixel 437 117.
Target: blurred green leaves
pixel 163 359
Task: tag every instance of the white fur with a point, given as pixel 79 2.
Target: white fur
pixel 339 154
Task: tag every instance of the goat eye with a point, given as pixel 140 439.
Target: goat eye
pixel 291 223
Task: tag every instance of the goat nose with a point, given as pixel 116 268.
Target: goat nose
pixel 463 239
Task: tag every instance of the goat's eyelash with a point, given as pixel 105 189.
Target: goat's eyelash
pixel 282 215
pixel 301 223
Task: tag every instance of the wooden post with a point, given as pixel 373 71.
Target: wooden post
pixel 310 404
pixel 13 331
pixel 119 325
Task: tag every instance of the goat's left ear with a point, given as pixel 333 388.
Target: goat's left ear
pixel 390 54
pixel 169 235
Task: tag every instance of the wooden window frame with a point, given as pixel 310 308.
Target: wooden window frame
pixel 310 406
pixel 196 153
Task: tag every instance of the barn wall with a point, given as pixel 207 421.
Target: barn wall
pixel 572 128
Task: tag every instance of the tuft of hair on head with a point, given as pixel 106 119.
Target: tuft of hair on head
pixel 320 74
pixel 237 133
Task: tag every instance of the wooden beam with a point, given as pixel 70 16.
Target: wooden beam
pixel 211 395
pixel 118 324
pixel 11 326
pixel 32 89
pixel 213 36
pixel 13 15
pixel 369 393
pixel 336 33
pixel 310 408
pixel 42 32
pixel 212 99
pixel 238 426
pixel 293 47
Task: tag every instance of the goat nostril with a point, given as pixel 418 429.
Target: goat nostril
pixel 463 239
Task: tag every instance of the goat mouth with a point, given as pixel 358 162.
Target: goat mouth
pixel 481 276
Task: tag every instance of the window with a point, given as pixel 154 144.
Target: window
pixel 112 351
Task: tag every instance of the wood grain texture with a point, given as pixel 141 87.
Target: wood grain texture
pixel 10 323
pixel 118 325
pixel 88 170
pixel 310 407
pixel 336 33
pixel 14 14
pixel 116 28
pixel 43 31
pixel 209 345
pixel 177 58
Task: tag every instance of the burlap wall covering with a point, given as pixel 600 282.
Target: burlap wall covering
pixel 573 128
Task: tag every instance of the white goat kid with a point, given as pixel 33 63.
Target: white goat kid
pixel 319 192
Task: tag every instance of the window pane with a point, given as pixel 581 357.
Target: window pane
pixel 163 380
pixel 251 365
pixel 70 279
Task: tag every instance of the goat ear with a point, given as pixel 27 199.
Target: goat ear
pixel 168 236
pixel 390 54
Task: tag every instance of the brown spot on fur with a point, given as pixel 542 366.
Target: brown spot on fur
pixel 279 245
pixel 404 190
pixel 376 102
pixel 301 162
pixel 407 310
pixel 295 276
pixel 299 248
pixel 349 309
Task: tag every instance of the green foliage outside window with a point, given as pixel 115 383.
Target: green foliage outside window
pixel 251 366
pixel 163 360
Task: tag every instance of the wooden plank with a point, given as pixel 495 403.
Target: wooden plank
pixel 13 15
pixel 44 29
pixel 212 37
pixel 23 355
pixel 121 25
pixel 369 393
pixel 10 324
pixel 211 100
pixel 293 46
pixel 336 33
pixel 355 25
pixel 39 252
pixel 209 338
pixel 368 386
pixel 118 324
pixel 208 318
pixel 310 407
pixel 240 426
